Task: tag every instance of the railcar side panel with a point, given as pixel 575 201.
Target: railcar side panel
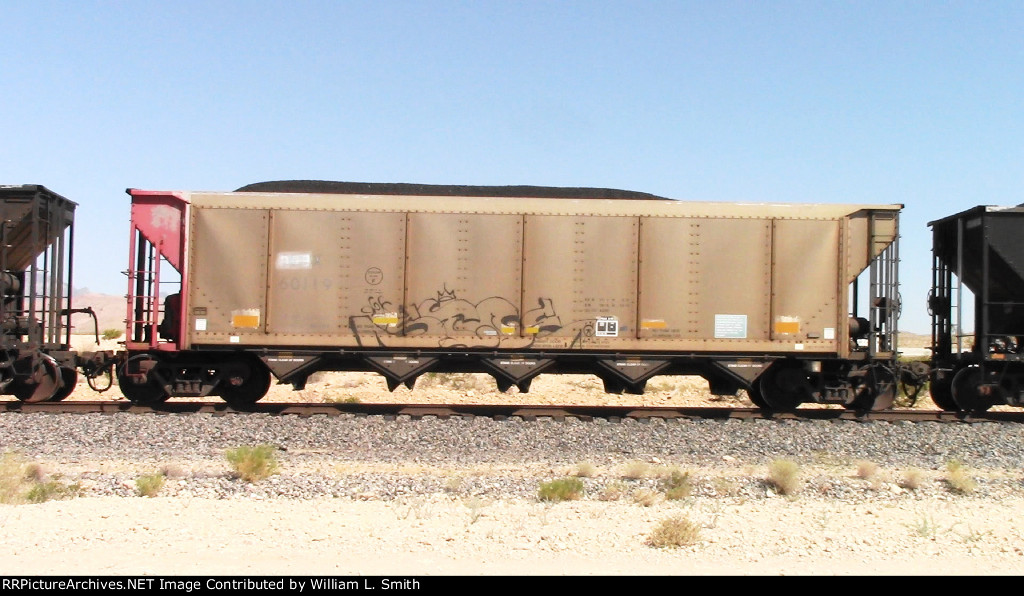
pixel 464 279
pixel 705 279
pixel 372 274
pixel 805 283
pixel 580 280
pixel 228 293
pixel 334 274
pixel 292 277
pixel 305 272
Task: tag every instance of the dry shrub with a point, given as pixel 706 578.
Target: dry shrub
pixel 635 470
pixel 677 485
pixel 173 471
pixel 866 470
pixel 959 479
pixel 614 491
pixel 586 470
pixel 674 532
pixel 646 498
pixel 454 485
pixel 912 479
pixel 784 475
pixel 476 507
pixel 725 486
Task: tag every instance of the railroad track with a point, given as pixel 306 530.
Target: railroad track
pixel 498 412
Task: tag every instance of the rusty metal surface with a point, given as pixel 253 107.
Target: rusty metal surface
pixel 35 217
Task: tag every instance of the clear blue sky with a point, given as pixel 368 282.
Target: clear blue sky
pixel 920 103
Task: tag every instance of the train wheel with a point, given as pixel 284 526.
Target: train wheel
pixel 782 386
pixel 879 392
pixel 941 390
pixel 970 392
pixel 44 383
pixel 247 381
pixel 146 393
pixel 70 378
pixel 754 393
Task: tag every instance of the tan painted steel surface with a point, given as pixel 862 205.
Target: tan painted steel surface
pixel 581 279
pixel 806 287
pixel 695 267
pixel 464 279
pixel 523 273
pixel 228 293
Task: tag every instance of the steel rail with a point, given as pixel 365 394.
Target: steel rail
pixel 501 412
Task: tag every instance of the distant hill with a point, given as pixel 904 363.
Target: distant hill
pixel 914 340
pixel 110 313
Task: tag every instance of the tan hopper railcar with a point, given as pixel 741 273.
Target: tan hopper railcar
pixel 287 279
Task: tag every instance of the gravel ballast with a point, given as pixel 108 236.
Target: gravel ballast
pixel 397 496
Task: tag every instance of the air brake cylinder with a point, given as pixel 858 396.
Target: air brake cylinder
pixel 9 283
pixel 859 327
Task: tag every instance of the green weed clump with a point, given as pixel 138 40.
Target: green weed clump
pixel 51 491
pixel 253 464
pixel 563 489
pixel 675 532
pixel 784 475
pixel 924 527
pixel 112 333
pixel 149 485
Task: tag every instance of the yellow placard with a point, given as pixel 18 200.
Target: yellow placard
pixel 791 327
pixel 245 321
